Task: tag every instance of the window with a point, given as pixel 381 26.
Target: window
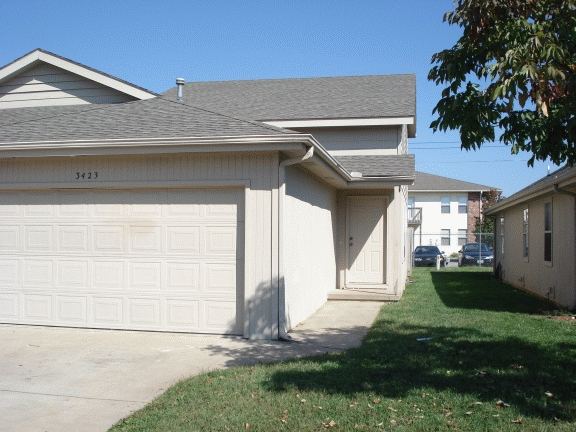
pixel 411 202
pixel 445 237
pixel 502 234
pixel 462 204
pixel 445 202
pixel 525 233
pixel 548 232
pixel 462 234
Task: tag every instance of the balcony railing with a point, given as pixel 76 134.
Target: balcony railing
pixel 414 215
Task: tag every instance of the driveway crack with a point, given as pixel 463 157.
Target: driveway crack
pixel 71 396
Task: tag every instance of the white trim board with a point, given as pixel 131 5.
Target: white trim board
pixel 390 121
pixel 38 56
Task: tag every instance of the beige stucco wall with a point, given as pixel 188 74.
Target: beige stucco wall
pixel 256 173
pixel 309 246
pixel 553 280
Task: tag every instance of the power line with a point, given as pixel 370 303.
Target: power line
pixel 482 161
pixel 445 148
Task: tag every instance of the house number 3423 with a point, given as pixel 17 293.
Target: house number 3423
pixel 93 175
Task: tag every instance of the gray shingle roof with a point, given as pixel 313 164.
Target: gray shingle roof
pixel 307 98
pixel 379 166
pixel 431 182
pixel 152 118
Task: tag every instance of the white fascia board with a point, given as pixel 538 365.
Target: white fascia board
pixel 37 56
pixel 568 180
pixel 151 145
pixel 452 190
pixel 376 121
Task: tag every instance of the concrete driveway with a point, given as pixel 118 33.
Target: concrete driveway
pixel 61 379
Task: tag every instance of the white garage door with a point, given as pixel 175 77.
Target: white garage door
pixel 165 259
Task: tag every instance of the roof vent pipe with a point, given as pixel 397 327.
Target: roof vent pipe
pixel 180 83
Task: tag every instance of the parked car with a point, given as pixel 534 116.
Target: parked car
pixel 426 255
pixel 475 254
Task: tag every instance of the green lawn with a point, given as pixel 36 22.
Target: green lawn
pixel 493 360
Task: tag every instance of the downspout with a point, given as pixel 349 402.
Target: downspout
pixel 282 335
pixel 563 192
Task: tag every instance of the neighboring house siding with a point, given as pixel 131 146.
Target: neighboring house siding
pixel 383 140
pixel 49 85
pixel 430 232
pixel 554 280
pixel 310 245
pixel 259 172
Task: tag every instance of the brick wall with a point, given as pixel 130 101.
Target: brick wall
pixel 473 213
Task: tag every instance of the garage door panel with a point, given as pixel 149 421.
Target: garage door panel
pixel 108 311
pixel 38 308
pixel 183 313
pixel 144 312
pixel 108 239
pixel 73 238
pixel 145 239
pixel 9 306
pixel 221 277
pixel 183 239
pixel 159 260
pixel 183 276
pixel 9 272
pixel 37 273
pixel 108 274
pixel 72 274
pixel 38 238
pixel 72 309
pixel 9 238
pixel 145 276
pixel 221 240
pixel 220 315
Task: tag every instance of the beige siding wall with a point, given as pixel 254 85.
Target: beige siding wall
pixel 257 171
pixel 48 85
pixel 553 280
pixel 382 140
pixel 310 248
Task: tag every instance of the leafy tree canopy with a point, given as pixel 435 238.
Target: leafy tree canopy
pixel 512 73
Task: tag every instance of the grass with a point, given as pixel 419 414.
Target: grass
pixel 492 359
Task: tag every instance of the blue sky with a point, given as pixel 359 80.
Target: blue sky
pixel 150 43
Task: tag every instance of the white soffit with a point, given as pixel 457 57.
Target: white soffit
pixel 38 56
pixel 390 121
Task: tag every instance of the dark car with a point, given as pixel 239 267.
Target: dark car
pixel 426 255
pixel 475 254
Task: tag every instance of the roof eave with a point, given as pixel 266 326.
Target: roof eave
pixel 567 180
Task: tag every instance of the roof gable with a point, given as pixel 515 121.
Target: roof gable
pixel 41 78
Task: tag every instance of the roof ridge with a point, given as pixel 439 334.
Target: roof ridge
pixel 298 78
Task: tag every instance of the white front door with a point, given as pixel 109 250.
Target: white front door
pixel 366 240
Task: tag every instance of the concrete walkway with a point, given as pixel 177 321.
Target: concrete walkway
pixel 61 379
